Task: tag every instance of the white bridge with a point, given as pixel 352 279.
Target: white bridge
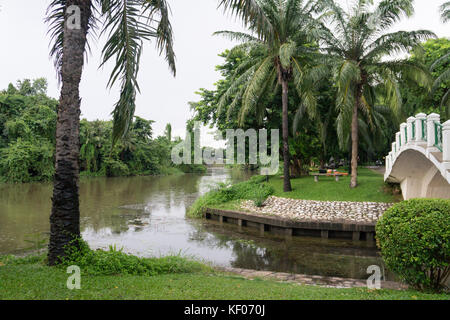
pixel 420 158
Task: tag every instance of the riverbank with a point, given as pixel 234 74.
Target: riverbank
pixel 32 279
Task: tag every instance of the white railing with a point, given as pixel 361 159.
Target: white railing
pixel 421 131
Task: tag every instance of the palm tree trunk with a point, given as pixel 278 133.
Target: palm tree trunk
pixel 355 140
pixel 65 216
pixel 286 160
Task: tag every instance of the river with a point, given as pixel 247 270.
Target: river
pixel 146 216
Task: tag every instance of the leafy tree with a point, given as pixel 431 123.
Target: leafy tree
pixel 283 46
pixel 434 55
pixel 127 23
pixel 445 11
pixel 356 45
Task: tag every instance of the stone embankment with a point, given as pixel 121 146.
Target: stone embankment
pixel 319 211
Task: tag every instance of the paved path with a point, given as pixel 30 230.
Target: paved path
pixel 319 211
pixel 322 281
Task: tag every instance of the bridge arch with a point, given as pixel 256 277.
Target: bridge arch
pixel 420 158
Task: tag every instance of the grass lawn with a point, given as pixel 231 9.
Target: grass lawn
pixel 370 188
pixel 34 280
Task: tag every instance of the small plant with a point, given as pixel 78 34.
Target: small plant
pixel 116 262
pixel 255 189
pixel 414 238
pixel 37 240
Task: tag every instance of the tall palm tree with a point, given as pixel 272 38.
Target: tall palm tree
pixel 281 44
pixel 127 23
pixel 445 76
pixel 445 11
pixel 357 46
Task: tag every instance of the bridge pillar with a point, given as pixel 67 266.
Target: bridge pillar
pixel 446 143
pixel 403 135
pixel 410 122
pixel 431 138
pixel 421 120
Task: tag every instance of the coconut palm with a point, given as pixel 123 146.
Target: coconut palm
pixel 280 46
pixel 358 48
pixel 445 76
pixel 127 24
pixel 445 11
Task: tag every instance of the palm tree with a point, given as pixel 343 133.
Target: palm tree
pixel 356 47
pixel 445 76
pixel 168 132
pixel 127 23
pixel 280 43
pixel 445 11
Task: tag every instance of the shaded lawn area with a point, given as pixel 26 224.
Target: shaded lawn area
pixel 370 188
pixel 37 281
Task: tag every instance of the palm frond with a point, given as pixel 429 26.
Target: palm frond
pixel 164 31
pixel 127 28
pixel 445 11
pixel 250 11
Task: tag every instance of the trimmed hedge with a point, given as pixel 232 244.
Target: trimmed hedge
pixel 414 238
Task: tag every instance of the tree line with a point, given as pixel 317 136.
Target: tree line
pixel 27 140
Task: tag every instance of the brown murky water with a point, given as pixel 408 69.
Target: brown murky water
pixel 146 216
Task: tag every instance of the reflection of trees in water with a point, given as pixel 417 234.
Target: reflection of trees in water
pixel 102 198
pixel 307 256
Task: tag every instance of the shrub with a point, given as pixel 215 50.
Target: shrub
pixel 115 168
pixel 414 238
pixel 254 189
pixel 116 262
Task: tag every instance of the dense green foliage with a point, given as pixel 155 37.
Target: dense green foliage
pixel 417 98
pixel 414 237
pixel 116 262
pixel 255 189
pixel 359 72
pixel 29 278
pixel 27 141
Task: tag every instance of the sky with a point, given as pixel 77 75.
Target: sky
pixel 164 99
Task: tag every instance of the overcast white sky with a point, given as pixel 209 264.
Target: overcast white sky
pixel 24 54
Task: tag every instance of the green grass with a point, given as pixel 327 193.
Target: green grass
pixel 29 278
pixel 371 188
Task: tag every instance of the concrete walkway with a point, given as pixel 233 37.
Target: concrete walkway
pixel 322 281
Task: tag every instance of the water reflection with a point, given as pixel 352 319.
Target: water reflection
pixel 146 216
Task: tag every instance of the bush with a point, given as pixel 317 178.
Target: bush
pixel 254 189
pixel 27 161
pixel 414 237
pixel 116 262
pixel 115 168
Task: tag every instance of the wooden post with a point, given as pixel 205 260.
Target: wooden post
pixel 356 235
pixel 221 219
pixel 288 232
pixel 261 229
pixel 240 224
pixel 324 234
pixel 370 237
